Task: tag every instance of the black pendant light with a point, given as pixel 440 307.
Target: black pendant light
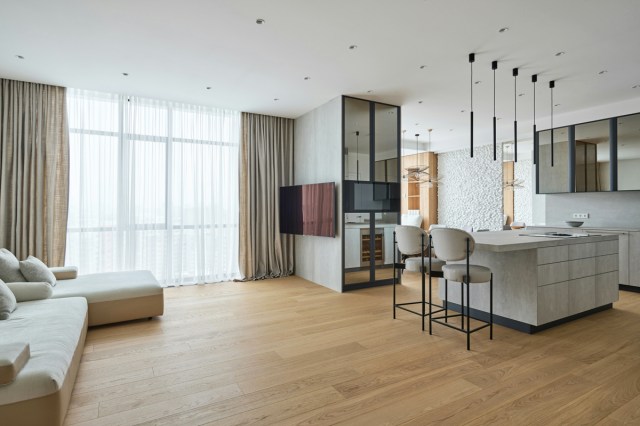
pixel 515 115
pixel 472 59
pixel 494 67
pixel 534 80
pixel 357 156
pixel 552 84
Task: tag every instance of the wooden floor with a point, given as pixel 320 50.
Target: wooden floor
pixel 289 352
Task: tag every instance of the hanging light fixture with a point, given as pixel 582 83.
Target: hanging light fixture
pixel 431 179
pixel 472 59
pixel 357 156
pixel 417 172
pixel 552 85
pixel 494 67
pixel 534 80
pixel 515 115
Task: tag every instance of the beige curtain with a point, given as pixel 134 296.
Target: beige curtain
pixel 266 164
pixel 34 170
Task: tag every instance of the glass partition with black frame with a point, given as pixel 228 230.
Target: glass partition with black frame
pixel 628 149
pixel 371 192
pixel 598 156
pixel 553 179
pixel 592 157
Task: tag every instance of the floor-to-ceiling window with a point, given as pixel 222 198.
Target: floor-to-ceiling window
pixel 153 185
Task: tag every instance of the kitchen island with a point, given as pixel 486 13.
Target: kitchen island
pixel 542 281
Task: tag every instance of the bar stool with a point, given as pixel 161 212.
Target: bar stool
pixel 414 246
pixel 456 245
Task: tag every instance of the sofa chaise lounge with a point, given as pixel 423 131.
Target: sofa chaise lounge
pixel 55 329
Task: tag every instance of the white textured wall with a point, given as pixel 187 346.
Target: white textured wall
pixel 471 195
pixel 523 197
pixel 318 158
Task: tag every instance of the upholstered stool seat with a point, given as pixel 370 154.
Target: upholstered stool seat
pixel 414 264
pixel 416 255
pixel 455 245
pixel 458 273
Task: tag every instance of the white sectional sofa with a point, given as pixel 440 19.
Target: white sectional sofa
pixel 55 329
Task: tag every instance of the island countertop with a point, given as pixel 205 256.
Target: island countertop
pixel 502 241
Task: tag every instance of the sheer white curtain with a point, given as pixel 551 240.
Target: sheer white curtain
pixel 153 185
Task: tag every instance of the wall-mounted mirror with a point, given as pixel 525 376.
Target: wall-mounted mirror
pixel 357 136
pixel 629 152
pixel 553 179
pixel 592 162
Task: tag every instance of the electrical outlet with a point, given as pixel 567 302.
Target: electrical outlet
pixel 581 215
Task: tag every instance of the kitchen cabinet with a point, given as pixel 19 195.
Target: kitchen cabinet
pixel 628 250
pixel 388 245
pixel 352 248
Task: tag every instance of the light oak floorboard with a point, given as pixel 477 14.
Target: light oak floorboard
pixel 289 352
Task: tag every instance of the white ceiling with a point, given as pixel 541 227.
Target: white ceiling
pixel 174 49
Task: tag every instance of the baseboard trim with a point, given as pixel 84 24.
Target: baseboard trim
pixel 631 288
pixel 524 327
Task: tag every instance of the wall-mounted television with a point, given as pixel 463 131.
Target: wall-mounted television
pixel 308 209
pixel 362 197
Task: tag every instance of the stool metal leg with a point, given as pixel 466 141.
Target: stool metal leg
pixel 430 309
pixel 394 275
pixel 468 317
pixel 491 308
pixel 462 304
pixel 446 303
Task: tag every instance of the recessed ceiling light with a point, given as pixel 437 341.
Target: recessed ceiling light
pixel 498 118
pixel 602 72
pixel 419 102
pixel 19 56
pixel 369 91
pixel 353 47
pixel 463 110
pixel 477 82
pixel 307 78
pixel 260 21
pixel 556 105
pixel 417 124
pixel 126 74
pixel 208 87
pixel 451 130
pixel 637 86
pixel 503 30
pixel 521 94
pixel 422 67
pixel 560 53
pixel 276 99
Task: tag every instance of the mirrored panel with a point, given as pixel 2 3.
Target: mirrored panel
pixel 357 138
pixel 592 162
pixel 386 143
pixel 629 152
pixel 553 179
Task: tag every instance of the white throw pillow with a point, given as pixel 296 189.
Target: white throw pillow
pixel 9 267
pixel 25 292
pixel 7 301
pixel 34 270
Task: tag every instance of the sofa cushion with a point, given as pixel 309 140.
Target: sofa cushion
pixel 34 270
pixel 10 267
pixel 13 356
pixel 7 301
pixel 53 328
pixel 64 272
pixel 109 286
pixel 26 292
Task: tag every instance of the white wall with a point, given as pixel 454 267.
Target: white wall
pixel 522 197
pixel 318 158
pixel 606 209
pixel 471 193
